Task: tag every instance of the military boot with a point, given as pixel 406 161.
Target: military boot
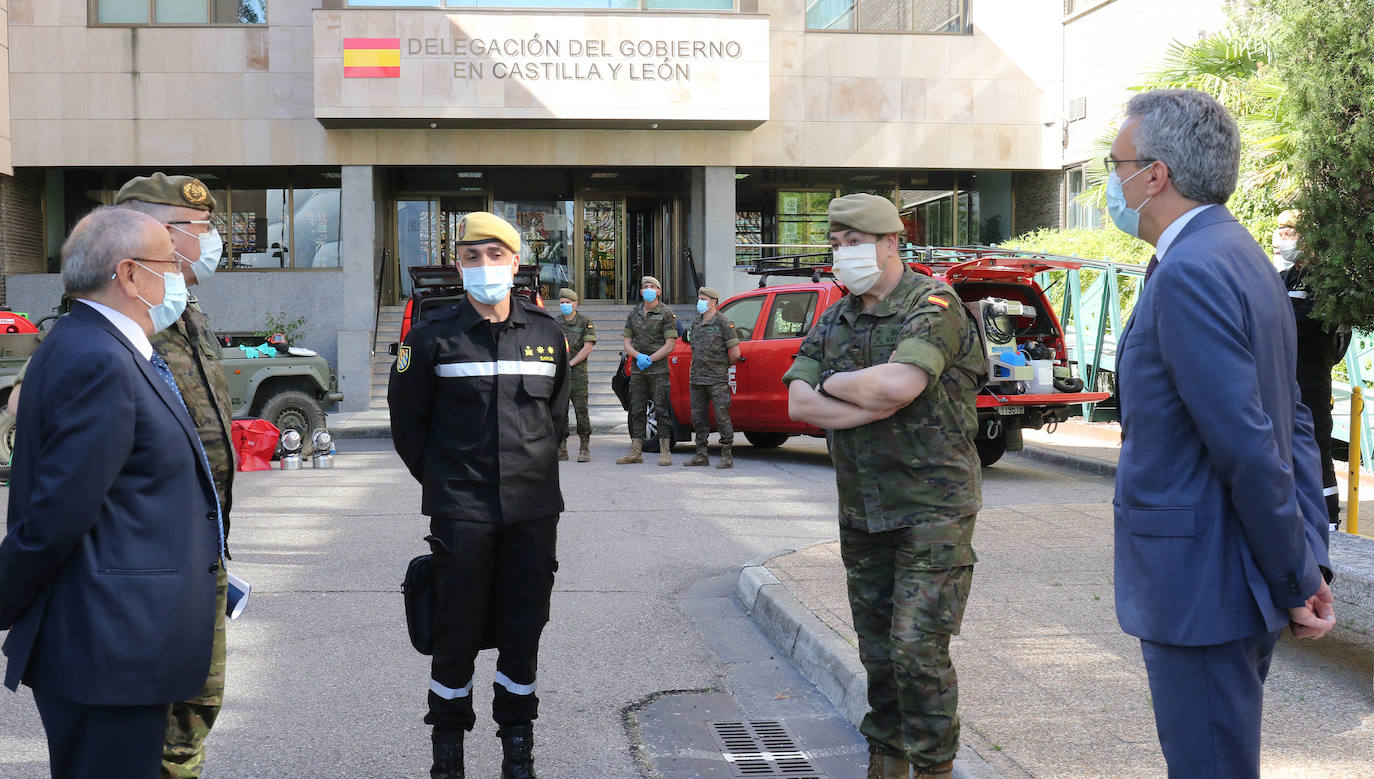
pixel 938 771
pixel 881 766
pixel 665 451
pixel 584 453
pixel 699 458
pixel 517 743
pixel 727 456
pixel 448 754
pixel 563 449
pixel 635 455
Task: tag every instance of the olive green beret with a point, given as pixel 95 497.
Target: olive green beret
pixel 484 227
pixel 182 191
pixel 1290 218
pixel 866 213
pixel 708 292
pixel 567 294
pixel 650 280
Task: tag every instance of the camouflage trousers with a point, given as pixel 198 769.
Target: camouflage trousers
pixel 577 379
pixel 703 397
pixel 645 387
pixel 904 613
pixel 189 722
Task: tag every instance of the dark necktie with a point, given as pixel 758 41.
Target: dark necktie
pixel 1154 263
pixel 166 373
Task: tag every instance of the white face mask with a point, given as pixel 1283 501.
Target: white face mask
pixel 174 297
pixel 856 267
pixel 211 249
pixel 488 284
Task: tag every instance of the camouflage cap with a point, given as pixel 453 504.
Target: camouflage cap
pixel 567 294
pixel 484 227
pixel 708 292
pixel 182 191
pixel 650 280
pixel 866 213
pixel 1290 218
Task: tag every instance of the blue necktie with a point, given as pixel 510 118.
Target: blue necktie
pixel 166 374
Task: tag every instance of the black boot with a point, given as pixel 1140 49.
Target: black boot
pixel 517 742
pixel 448 754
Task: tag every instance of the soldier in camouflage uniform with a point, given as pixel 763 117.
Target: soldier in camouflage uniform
pixel 581 334
pixel 650 335
pixel 192 351
pixel 715 346
pixel 893 370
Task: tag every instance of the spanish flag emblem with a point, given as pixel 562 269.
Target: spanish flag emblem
pixel 941 302
pixel 372 57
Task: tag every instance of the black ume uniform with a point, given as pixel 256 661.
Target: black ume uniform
pixel 477 415
pixel 1319 349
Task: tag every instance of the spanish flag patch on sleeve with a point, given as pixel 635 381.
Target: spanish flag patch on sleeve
pixel 939 301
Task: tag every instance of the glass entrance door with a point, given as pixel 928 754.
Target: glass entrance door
pixel 602 249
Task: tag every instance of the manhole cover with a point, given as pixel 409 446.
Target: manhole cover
pixel 762 748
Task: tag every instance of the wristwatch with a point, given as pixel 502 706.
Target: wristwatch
pixel 820 385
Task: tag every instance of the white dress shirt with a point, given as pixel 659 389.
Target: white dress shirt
pixel 128 327
pixel 1166 238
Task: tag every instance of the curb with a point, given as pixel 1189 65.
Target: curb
pixel 383 430
pixel 820 654
pixel 1077 462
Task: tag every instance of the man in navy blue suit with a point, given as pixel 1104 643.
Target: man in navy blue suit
pixel 1220 520
pixel 108 568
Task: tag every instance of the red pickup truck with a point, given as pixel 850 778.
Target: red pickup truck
pixel 1000 290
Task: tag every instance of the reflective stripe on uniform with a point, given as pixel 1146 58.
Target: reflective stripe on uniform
pixel 458 370
pixel 1297 293
pixel 512 687
pixel 1331 491
pixel 448 693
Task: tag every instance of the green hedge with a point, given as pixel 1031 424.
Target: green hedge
pixel 1105 243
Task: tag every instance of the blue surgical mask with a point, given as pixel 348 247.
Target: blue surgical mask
pixel 702 306
pixel 650 294
pixel 174 297
pixel 566 308
pixel 1126 219
pixel 489 284
pixel 211 249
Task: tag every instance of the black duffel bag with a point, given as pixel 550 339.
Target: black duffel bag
pixel 421 601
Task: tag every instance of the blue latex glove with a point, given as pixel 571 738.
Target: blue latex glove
pixel 643 361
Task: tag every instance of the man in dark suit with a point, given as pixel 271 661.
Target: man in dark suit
pixel 1220 523
pixel 108 569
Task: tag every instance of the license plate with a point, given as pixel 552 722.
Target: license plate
pixel 1008 411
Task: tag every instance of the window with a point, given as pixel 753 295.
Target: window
pixel 278 218
pixel 803 220
pixel 745 314
pixel 1079 214
pixel 950 16
pixel 179 12
pixel 791 314
pixel 631 5
pixel 748 232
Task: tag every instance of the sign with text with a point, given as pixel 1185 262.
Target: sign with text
pixel 624 70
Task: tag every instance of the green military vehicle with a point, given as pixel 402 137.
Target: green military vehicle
pixel 289 389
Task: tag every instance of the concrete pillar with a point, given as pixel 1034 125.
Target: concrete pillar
pixel 717 258
pixel 696 220
pixel 358 240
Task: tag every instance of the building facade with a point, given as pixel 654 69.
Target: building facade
pixel 344 139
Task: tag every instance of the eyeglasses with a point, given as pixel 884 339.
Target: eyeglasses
pixel 190 222
pixel 1109 164
pixel 172 261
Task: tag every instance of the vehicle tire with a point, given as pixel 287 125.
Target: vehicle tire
pixel 766 440
pixel 294 409
pixel 7 424
pixel 651 429
pixel 990 450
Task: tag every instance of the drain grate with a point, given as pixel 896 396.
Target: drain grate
pixel 761 748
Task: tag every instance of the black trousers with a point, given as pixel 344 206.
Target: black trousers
pixel 494 583
pixel 1317 398
pixel 102 741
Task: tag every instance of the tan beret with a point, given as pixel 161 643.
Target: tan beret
pixel 709 292
pixel 182 191
pixel 866 213
pixel 650 280
pixel 1290 218
pixel 567 294
pixel 485 227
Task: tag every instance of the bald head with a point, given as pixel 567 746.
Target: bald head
pixel 101 240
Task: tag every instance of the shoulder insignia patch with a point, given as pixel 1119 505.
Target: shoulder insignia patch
pixel 402 359
pixel 939 301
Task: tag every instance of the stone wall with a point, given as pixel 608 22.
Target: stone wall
pixel 21 227
pixel 1037 201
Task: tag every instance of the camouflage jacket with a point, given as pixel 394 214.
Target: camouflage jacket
pixel 579 332
pixel 192 351
pixel 918 467
pixel 650 330
pixel 711 343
